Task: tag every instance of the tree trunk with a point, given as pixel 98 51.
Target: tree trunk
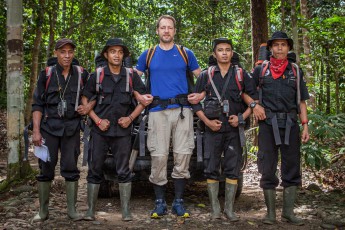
pixel 52 12
pixel 322 71
pixel 16 167
pixel 328 82
pixel 295 29
pixel 259 26
pixel 283 15
pixel 309 75
pixel 337 100
pixel 34 64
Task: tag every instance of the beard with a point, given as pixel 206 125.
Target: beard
pixel 166 40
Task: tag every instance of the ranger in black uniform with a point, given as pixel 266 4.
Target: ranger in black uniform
pixel 282 93
pixel 56 124
pixel 222 128
pixel 112 119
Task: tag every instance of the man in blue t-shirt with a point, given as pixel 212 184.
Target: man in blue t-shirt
pixel 171 117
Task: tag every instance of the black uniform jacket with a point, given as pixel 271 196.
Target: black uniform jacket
pixel 47 100
pixel 279 95
pixel 232 93
pixel 115 102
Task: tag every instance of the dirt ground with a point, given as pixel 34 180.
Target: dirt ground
pixel 321 208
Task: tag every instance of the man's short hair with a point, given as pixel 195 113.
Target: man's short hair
pixel 166 17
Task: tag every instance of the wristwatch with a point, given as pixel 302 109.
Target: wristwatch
pixel 252 104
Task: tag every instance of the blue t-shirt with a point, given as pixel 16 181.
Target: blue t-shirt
pixel 168 73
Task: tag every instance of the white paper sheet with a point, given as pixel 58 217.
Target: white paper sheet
pixel 42 152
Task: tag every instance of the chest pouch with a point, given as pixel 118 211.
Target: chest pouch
pixel 212 108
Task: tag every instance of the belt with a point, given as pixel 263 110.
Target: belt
pixel 274 117
pixel 181 99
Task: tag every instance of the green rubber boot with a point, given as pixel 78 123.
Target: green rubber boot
pixel 289 197
pixel 213 189
pixel 71 194
pixel 270 201
pixel 230 192
pixel 92 195
pixel 43 197
pixel 125 196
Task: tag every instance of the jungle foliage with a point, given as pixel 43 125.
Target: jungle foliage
pixel 91 23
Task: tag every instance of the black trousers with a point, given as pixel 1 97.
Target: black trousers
pixel 69 147
pixel 119 147
pixel 268 157
pixel 215 144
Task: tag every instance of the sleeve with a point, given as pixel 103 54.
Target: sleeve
pixel 192 62
pixel 256 75
pixel 141 65
pixel 85 76
pixel 138 84
pixel 38 97
pixel 90 87
pixel 250 86
pixel 303 87
pixel 200 86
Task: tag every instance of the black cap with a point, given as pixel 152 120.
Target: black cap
pixel 64 41
pixel 279 35
pixel 221 40
pixel 115 42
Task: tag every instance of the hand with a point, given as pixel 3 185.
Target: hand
pixel 214 125
pixel 37 138
pixel 84 109
pixel 195 98
pixel 104 125
pixel 259 112
pixel 124 122
pixel 145 99
pixel 305 134
pixel 233 120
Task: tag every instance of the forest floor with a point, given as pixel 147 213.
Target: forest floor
pixel 321 205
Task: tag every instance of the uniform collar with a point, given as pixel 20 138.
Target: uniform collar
pixel 59 69
pixel 107 71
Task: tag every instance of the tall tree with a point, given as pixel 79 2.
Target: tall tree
pixel 295 28
pixel 306 40
pixel 259 25
pixel 34 64
pixel 17 168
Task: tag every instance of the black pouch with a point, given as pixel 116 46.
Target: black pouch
pixel 212 108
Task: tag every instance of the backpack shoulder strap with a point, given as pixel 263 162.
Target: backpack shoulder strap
pixel 295 69
pixel 263 70
pixel 80 82
pixel 149 56
pixel 183 54
pixel 264 67
pixel 49 72
pixel 99 77
pixel 239 79
pixel 129 79
pixel 210 74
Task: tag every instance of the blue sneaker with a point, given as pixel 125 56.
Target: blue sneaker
pixel 160 209
pixel 178 209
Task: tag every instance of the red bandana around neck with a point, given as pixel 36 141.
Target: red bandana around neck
pixel 278 66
